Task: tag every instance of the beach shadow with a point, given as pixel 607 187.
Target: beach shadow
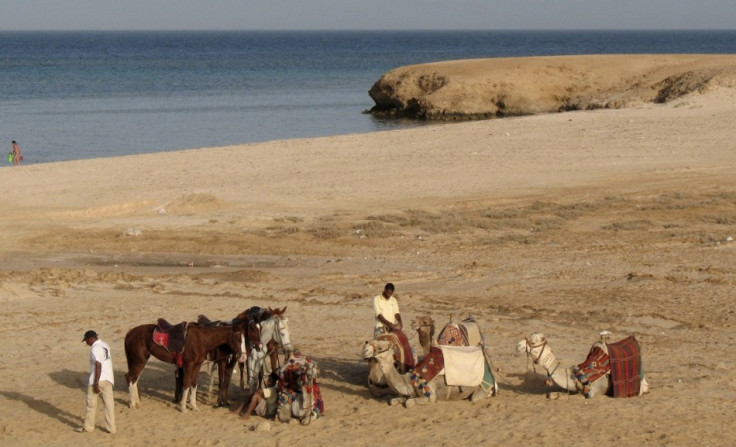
pixel 43 407
pixel 76 380
pixel 344 371
pixel 528 383
pixel 156 382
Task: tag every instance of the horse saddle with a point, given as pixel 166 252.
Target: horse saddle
pixel 170 336
pixel 202 320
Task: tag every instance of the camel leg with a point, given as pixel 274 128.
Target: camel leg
pixel 478 394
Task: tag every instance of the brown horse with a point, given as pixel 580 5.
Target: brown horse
pixel 223 356
pixel 139 346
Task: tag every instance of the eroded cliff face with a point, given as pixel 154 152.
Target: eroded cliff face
pixel 487 88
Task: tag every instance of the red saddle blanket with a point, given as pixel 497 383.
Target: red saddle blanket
pixel 625 360
pixel 431 364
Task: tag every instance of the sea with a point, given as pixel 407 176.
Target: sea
pixel 79 95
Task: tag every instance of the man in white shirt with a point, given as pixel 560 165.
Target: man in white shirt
pixel 388 321
pixel 101 381
pixel 386 308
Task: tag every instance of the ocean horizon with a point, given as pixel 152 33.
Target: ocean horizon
pixel 67 95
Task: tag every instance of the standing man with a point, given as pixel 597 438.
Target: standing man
pixel 17 154
pixel 386 308
pixel 101 381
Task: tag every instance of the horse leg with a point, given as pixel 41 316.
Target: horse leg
pixel 241 365
pixel 182 405
pixel 179 380
pixel 135 399
pixel 212 383
pixel 193 377
pixel 225 373
pixel 253 372
pixel 131 377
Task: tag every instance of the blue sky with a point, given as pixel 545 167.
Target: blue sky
pixel 365 14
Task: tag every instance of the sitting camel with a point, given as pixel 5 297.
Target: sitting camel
pixel 429 380
pixel 611 368
pixel 464 333
pixel 300 396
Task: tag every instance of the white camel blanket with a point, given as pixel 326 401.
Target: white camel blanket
pixel 464 365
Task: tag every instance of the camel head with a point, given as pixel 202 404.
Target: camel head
pixel 532 346
pixel 377 349
pixel 422 321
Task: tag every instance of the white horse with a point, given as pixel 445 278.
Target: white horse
pixel 274 336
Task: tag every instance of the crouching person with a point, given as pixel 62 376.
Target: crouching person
pixel 263 401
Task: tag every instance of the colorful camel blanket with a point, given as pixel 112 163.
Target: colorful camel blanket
pixel 404 356
pixel 623 362
pixel 431 365
pixel 465 333
pixel 626 367
pixel 464 365
pixel 452 335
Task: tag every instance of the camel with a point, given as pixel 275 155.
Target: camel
pixel 537 348
pixel 300 395
pixel 410 385
pixel 425 327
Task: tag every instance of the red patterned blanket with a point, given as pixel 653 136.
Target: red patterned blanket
pixel 626 366
pixel 431 364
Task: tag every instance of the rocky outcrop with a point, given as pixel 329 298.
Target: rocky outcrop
pixel 487 88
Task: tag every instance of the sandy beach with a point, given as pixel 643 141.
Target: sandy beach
pixel 565 223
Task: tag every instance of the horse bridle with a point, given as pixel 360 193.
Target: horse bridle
pixel 277 336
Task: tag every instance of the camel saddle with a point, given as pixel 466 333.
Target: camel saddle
pixel 172 337
pixel 465 333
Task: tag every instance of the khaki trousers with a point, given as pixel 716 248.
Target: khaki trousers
pixel 107 399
